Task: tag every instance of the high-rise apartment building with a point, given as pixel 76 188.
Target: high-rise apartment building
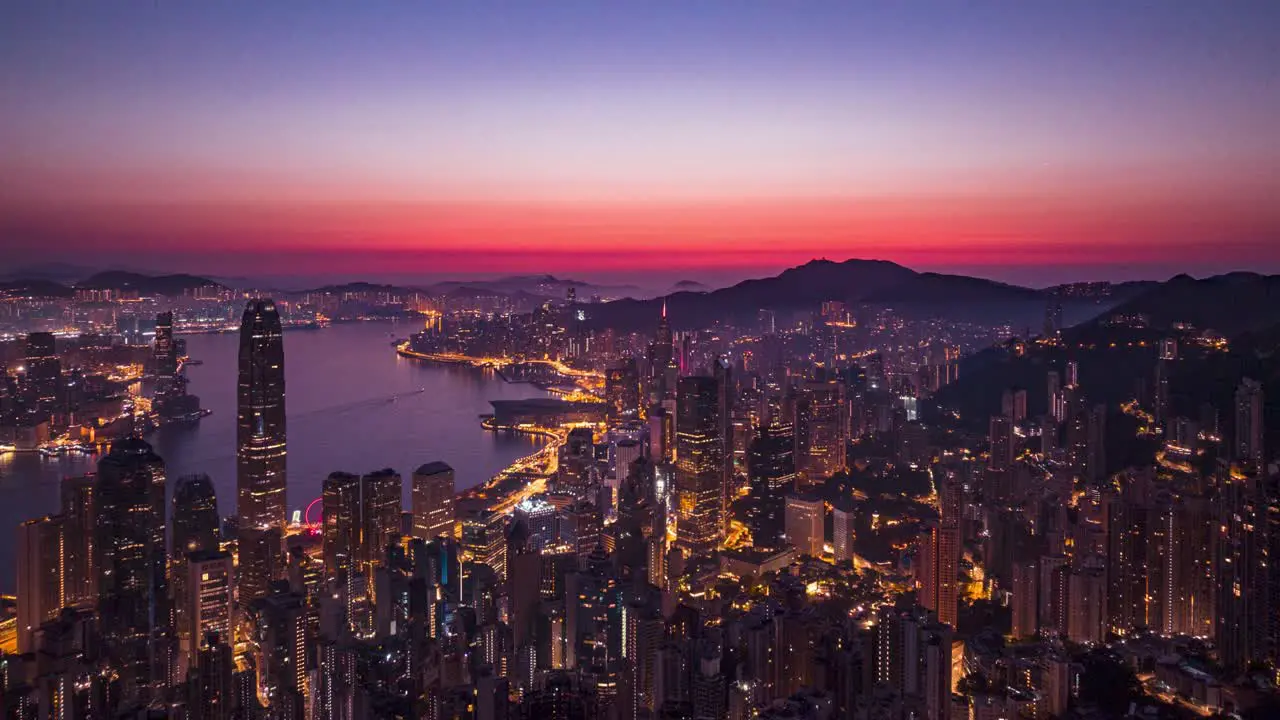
pixel 1249 425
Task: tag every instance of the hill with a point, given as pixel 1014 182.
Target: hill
pixel 798 288
pixel 1230 304
pixel 35 288
pixel 146 284
pixel 866 282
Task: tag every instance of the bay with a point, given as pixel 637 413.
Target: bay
pixel 352 405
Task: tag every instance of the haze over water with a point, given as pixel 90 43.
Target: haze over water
pixel 340 385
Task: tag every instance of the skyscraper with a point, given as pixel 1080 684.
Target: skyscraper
pixel 805 517
pixel 771 471
pixel 433 491
pixel 260 436
pixel 206 611
pixel 1001 436
pixel 821 416
pixel 80 513
pixel 1249 403
pixel 484 536
pixel 260 443
pixel 132 592
pixel 163 352
pixel 40 576
pixel 699 464
pixel 44 369
pixel 622 391
pixel 195 515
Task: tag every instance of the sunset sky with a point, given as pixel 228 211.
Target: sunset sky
pixel 1026 141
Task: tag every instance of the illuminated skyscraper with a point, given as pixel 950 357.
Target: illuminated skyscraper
pixel 771 471
pixel 260 455
pixel 433 491
pixel 163 352
pixel 843 523
pixel 622 391
pixel 195 515
pixel 41 590
pixel 260 436
pixel 132 588
pixel 699 464
pixel 484 536
pixel 340 498
pixel 80 513
pixel 382 493
pixel 207 599
pixel 44 369
pixel 1001 443
pixel 805 517
pixel 821 416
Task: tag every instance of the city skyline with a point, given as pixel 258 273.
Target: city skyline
pixel 655 360
pixel 1023 144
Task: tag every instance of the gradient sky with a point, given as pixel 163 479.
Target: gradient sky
pixel 1027 141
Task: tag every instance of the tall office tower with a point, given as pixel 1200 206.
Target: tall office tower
pixel 660 357
pixel 212 695
pixel 260 430
pixel 195 515
pixel 44 369
pixel 80 515
pixel 41 590
pixel 1025 604
pixel 484 536
pixel 1014 404
pixel 771 471
pixel 805 516
pixel 699 465
pixel 433 491
pixel 381 493
pixel 1073 374
pixel 1001 437
pixel 821 417
pixel 722 373
pixel 843 521
pixel 132 588
pixel 622 391
pixel 284 644
pixel 163 352
pixel 642 629
pixel 206 603
pixel 1249 428
pixel 1242 569
pixel 342 514
pixel 69 683
pixel 261 562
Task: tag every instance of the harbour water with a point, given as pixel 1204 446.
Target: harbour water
pixel 352 404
